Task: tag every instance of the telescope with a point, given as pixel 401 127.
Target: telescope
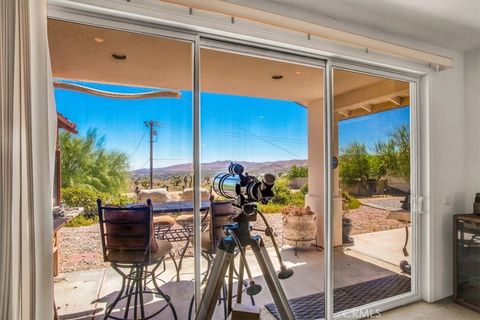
pixel 247 190
pixel 234 184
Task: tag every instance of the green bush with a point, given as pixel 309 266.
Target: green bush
pixel 283 194
pixel 87 162
pixel 119 200
pixel 82 221
pixel 297 199
pixel 304 189
pixel 82 197
pixel 87 198
pixel 297 172
pixel 270 207
pixel 352 202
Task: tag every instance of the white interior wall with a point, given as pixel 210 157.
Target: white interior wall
pixel 472 126
pixel 443 118
pixel 443 174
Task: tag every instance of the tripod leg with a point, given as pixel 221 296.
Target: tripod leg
pixel 240 281
pixel 273 283
pixel 230 285
pixel 214 285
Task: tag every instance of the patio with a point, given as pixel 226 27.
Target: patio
pixel 97 288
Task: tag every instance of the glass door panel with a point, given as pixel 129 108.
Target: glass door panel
pixel 267 116
pixel 124 103
pixel 372 187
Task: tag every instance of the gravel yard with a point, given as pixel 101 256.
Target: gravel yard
pixel 387 203
pixel 367 219
pixel 81 247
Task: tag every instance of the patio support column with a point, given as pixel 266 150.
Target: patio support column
pixel 336 192
pixel 316 173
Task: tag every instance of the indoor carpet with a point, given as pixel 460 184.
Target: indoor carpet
pixel 312 306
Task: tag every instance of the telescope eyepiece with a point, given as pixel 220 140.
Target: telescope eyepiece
pixel 235 168
pixel 268 179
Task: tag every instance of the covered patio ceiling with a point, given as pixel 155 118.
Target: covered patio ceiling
pixel 86 53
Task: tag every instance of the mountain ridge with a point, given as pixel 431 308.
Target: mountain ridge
pixel 222 166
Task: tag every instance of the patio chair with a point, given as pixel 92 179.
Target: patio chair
pixel 186 219
pixel 128 242
pixel 155 195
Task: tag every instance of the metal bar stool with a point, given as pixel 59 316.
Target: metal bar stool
pixel 129 244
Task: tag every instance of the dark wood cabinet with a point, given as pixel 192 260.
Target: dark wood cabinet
pixel 466 266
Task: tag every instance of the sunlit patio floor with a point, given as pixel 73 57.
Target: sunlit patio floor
pixel 85 295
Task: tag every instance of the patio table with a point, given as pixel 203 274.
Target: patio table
pixel 402 216
pixel 58 223
pixel 178 206
pixel 184 233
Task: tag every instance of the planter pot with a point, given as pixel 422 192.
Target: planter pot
pixel 347 240
pixel 299 231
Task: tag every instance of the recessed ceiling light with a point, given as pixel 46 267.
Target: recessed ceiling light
pixel 98 40
pixel 119 56
pixel 277 77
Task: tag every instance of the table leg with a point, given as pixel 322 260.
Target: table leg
pixel 55 254
pixel 182 254
pixel 405 251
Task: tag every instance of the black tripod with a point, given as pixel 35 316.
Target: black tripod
pixel 239 236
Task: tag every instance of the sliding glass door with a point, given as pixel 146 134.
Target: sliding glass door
pixel 373 181
pixel 264 111
pixel 330 150
pixel 125 135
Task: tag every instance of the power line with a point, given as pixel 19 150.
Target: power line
pixel 146 161
pixel 250 134
pixel 140 142
pixel 267 141
pixel 239 135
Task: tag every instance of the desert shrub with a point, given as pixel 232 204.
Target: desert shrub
pixel 87 198
pixel 297 199
pixel 283 194
pixel 81 197
pixel 119 200
pixel 352 202
pixel 297 172
pixel 87 162
pixel 82 220
pixel 270 207
pixel 304 189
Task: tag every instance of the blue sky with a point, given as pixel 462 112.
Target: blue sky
pixel 371 128
pixel 233 127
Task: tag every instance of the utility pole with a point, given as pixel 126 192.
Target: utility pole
pixel 151 124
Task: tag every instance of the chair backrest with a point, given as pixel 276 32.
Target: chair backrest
pixel 222 212
pixel 127 235
pixel 187 194
pixel 156 195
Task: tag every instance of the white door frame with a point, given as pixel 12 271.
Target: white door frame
pixel 376 307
